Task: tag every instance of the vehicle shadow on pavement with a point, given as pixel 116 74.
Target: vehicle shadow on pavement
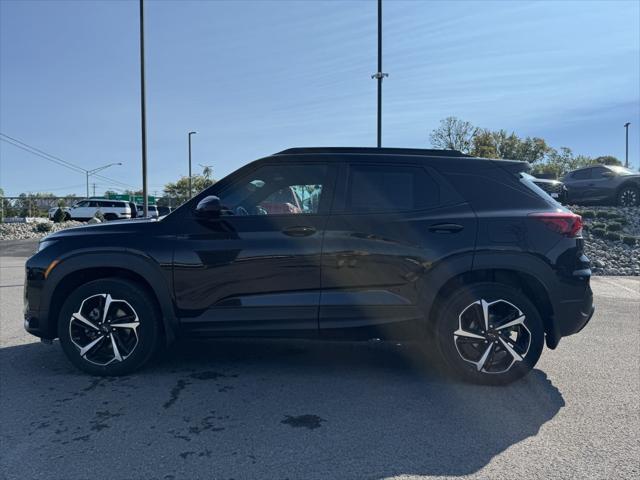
pixel 260 409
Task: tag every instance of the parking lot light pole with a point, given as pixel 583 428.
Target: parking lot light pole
pixel 190 189
pixel 96 170
pixel 626 144
pixel 379 76
pixel 143 116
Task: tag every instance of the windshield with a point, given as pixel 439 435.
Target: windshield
pixel 619 170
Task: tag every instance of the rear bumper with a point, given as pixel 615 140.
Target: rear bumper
pixel 571 316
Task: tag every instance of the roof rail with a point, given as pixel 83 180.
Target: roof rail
pixel 373 151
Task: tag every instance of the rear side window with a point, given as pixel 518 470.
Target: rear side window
pixel 390 188
pixel 582 174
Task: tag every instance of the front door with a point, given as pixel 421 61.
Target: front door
pixel 256 269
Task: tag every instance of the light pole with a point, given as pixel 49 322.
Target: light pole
pixel 189 136
pixel 379 75
pixel 143 116
pixel 626 144
pixel 96 170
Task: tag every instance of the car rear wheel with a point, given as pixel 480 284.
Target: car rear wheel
pixel 108 327
pixel 110 216
pixel 489 333
pixel 629 197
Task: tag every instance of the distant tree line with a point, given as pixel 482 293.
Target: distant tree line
pixel 456 134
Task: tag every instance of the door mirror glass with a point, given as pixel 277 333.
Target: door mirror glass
pixel 209 207
pixel 608 174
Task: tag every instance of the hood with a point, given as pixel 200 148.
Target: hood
pixel 106 228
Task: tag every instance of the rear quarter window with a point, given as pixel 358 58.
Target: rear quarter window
pixel 390 188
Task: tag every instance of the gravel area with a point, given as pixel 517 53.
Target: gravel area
pixel 23 231
pixel 612 239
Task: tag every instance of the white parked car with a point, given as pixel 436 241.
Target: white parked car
pixel 111 209
pixel 151 209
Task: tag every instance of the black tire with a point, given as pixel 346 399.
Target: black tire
pixel 110 216
pixel 628 196
pixel 451 348
pixel 139 342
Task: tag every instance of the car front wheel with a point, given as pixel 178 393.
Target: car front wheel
pixel 489 333
pixel 108 327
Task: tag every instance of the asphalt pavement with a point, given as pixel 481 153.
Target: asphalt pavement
pixel 248 409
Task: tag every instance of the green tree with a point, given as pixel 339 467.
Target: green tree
pixel 178 192
pixel 607 160
pixel 453 134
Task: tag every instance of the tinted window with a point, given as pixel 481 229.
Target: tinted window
pixel 386 188
pixel 93 204
pixel 582 174
pixel 597 172
pixel 277 190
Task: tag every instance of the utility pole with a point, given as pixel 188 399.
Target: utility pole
pixel 96 170
pixel 379 75
pixel 190 188
pixel 626 144
pixel 143 115
pixel 94 189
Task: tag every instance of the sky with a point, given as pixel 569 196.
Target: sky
pixel 256 77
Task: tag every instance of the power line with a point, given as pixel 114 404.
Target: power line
pixel 57 160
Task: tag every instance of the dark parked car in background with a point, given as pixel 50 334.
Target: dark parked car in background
pixel 604 184
pixel 555 188
pixel 465 256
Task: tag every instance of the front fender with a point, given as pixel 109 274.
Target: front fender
pixel 158 278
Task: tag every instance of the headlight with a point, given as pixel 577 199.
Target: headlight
pixel 44 244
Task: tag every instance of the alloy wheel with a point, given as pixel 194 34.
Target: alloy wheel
pixel 104 329
pixel 492 335
pixel 629 198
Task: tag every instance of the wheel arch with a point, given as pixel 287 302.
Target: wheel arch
pixel 75 271
pixel 531 286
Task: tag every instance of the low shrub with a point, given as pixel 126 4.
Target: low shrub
pixel 629 240
pixel 612 236
pixel 99 215
pixel 599 225
pixel 588 214
pixel 598 232
pixel 43 227
pixel 602 214
pixel 59 216
pixel 614 227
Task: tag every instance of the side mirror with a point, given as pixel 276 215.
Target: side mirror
pixel 608 174
pixel 209 207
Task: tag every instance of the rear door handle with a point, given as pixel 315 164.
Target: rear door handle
pixel 299 231
pixel 445 228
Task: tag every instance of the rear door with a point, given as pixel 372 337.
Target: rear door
pixel 578 184
pixel 392 225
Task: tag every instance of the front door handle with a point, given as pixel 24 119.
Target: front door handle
pixel 445 228
pixel 299 231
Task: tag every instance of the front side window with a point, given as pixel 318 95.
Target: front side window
pixel 277 190
pixel 388 188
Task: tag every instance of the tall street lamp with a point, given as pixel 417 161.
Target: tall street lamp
pixel 96 170
pixel 379 75
pixel 143 117
pixel 190 189
pixel 626 144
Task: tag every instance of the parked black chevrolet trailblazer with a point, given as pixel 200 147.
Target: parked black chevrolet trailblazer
pixel 464 255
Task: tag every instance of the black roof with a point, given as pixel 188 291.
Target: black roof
pixel 373 151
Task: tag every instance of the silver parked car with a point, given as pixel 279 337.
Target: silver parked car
pixel 603 184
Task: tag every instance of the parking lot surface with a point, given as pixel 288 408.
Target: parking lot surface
pixel 304 410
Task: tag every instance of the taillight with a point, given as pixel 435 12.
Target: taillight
pixel 566 224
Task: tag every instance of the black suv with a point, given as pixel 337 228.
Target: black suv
pixel 464 255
